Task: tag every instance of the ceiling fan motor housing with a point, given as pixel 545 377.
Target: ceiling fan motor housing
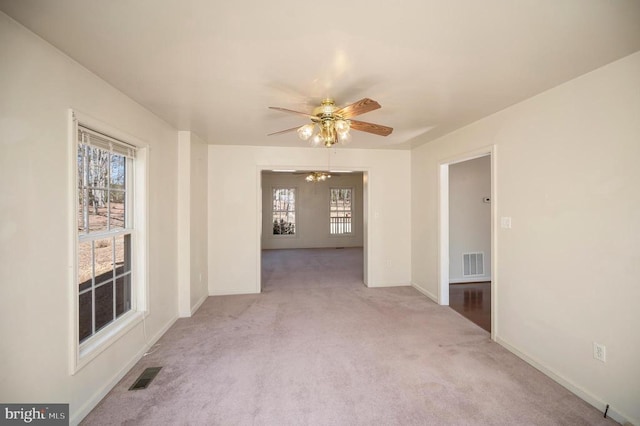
pixel 326 108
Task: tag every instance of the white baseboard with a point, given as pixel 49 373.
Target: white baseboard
pixel 389 285
pixel 231 293
pixel 469 280
pixel 425 292
pixel 572 387
pixel 198 304
pixel 76 418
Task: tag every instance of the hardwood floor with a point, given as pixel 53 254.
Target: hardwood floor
pixel 473 301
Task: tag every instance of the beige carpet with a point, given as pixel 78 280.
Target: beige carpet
pixel 319 348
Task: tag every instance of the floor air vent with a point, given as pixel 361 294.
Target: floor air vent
pixel 472 264
pixel 145 378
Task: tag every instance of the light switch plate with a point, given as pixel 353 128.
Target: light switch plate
pixel 599 352
pixel 505 222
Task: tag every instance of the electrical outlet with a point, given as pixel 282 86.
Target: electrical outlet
pixel 599 352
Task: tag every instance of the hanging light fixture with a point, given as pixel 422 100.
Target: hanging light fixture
pixel 328 127
pixel 316 177
pixel 306 131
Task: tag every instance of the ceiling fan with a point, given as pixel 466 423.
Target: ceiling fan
pixel 331 124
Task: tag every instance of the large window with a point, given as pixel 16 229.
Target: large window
pixel 340 211
pixel 105 226
pixel 284 211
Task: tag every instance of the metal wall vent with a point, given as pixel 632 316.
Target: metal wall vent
pixel 145 378
pixel 472 264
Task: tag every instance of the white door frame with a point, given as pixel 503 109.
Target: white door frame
pixel 443 228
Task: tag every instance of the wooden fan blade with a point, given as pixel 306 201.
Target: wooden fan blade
pixel 357 108
pixel 304 114
pixel 376 129
pixel 284 131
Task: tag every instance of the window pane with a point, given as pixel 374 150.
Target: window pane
pixel 123 294
pixel 104 305
pixel 98 167
pixel 118 165
pixel 123 254
pixel 284 216
pixel 80 184
pixel 81 165
pixel 346 198
pixel 116 209
pixel 340 211
pixel 103 259
pixel 97 210
pixel 284 199
pixel 85 265
pixel 284 224
pixel 81 210
pixel 84 303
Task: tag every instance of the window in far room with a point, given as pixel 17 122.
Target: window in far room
pixel 284 211
pixel 340 211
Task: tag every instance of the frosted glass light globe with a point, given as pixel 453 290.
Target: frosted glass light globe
pixel 342 126
pixel 306 131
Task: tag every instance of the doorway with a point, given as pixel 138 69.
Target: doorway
pixel 467 206
pixel 321 219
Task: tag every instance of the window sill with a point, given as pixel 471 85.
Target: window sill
pixel 89 350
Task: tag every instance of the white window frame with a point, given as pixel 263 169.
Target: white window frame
pixel 344 234
pixel 295 212
pixel 83 353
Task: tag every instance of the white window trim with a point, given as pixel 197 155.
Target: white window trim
pixel 283 236
pixel 353 196
pixel 83 354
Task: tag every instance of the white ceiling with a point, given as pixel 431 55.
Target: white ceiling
pixel 214 67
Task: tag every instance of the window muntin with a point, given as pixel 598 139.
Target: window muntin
pixel 340 211
pixel 104 231
pixel 284 211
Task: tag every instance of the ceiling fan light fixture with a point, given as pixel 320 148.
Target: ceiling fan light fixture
pixel 344 137
pixel 317 139
pixel 342 126
pixel 306 131
pixel 328 133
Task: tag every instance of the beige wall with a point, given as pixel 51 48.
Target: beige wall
pixel 469 216
pixel 199 271
pixel 192 222
pixel 567 272
pixel 235 210
pixel 38 85
pixel 312 211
